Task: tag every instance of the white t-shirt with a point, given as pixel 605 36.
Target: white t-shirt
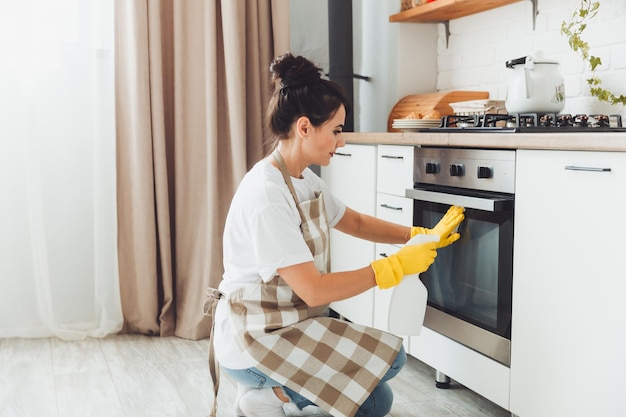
pixel 262 234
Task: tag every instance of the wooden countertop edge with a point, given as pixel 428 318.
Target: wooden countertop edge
pixel 579 141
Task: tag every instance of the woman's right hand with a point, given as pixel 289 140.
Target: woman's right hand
pixel 412 259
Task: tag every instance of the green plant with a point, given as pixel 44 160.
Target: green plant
pixel 572 30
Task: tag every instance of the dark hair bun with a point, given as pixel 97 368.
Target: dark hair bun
pixel 294 71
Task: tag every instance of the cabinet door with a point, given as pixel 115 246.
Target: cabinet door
pixel 397 210
pixel 351 176
pixel 569 285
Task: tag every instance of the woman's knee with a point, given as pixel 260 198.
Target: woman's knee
pixel 396 366
pixel 400 359
pixel 378 404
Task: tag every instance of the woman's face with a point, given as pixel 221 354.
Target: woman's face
pixel 325 139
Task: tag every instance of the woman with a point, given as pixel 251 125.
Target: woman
pixel 272 334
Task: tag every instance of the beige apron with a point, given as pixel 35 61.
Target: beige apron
pixel 333 363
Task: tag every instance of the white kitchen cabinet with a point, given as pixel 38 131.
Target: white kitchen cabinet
pixel 397 210
pixel 569 285
pixel 351 176
pixel 395 175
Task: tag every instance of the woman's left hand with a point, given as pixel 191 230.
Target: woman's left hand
pixel 448 223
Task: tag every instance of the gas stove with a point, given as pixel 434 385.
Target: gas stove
pixel 530 123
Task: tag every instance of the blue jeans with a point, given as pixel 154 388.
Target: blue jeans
pixel 378 404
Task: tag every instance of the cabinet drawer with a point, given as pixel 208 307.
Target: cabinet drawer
pixel 385 249
pixel 395 169
pixel 394 209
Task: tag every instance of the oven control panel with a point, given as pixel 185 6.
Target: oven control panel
pixel 476 169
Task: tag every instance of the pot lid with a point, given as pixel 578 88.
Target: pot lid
pixel 536 58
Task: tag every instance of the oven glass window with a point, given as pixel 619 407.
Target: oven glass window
pixel 472 278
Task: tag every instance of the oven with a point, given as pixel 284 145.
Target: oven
pixel 470 284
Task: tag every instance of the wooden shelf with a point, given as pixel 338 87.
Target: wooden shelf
pixel 445 10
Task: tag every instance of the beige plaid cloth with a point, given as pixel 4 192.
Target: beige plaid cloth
pixel 333 363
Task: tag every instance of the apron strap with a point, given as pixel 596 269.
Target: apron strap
pixel 208 309
pixel 286 176
pixel 303 217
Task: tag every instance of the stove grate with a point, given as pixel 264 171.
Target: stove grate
pixel 528 121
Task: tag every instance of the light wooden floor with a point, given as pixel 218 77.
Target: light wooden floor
pixel 135 376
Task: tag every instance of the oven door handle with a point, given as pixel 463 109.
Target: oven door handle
pixel 492 204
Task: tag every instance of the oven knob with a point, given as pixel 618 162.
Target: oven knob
pixel 457 170
pixel 432 167
pixel 485 172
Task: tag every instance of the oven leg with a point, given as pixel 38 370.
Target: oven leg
pixel 442 380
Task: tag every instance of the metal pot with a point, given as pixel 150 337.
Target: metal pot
pixel 536 85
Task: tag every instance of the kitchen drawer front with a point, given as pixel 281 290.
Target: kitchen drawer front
pixel 394 209
pixel 466 366
pixel 385 249
pixel 395 169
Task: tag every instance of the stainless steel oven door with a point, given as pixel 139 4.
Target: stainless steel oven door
pixel 470 283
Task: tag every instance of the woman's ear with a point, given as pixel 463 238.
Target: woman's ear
pixel 303 126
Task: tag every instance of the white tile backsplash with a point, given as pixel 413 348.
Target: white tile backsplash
pixel 480 44
pixel 618 57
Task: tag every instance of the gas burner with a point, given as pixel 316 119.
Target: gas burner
pixel 581 120
pixel 525 120
pixel 461 121
pixel 548 120
pixel 602 120
pixel 495 120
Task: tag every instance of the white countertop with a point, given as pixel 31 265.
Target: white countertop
pixel 579 141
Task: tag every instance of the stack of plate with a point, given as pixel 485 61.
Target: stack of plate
pixel 415 124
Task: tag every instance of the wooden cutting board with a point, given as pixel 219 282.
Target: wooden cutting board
pixel 433 101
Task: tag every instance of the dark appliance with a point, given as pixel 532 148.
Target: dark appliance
pixel 529 123
pixel 470 284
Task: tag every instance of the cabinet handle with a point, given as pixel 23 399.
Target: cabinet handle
pixel 343 154
pixel 383 254
pixel 391 207
pixel 392 157
pixel 590 169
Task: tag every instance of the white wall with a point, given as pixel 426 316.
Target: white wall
pixel 411 58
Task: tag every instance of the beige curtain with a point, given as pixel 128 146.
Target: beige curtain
pixel 192 83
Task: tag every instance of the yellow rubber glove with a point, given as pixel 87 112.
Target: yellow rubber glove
pixel 448 223
pixel 412 259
